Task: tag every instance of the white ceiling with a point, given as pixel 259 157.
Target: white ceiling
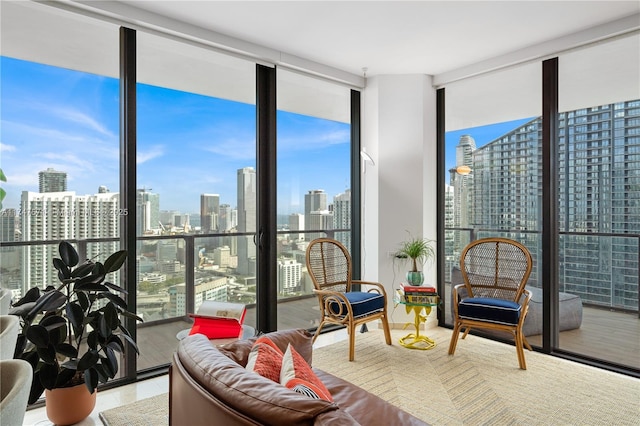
pixel 394 37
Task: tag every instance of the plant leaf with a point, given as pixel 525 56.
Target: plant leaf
pixel 111 316
pixel 56 327
pixel 115 261
pixel 75 314
pixel 88 360
pixel 83 300
pixel 47 354
pixel 36 388
pixel 64 376
pixel 90 286
pixel 111 362
pixel 131 342
pixel 67 350
pixel 68 254
pixel 131 315
pixel 50 301
pixel 83 269
pixel 38 335
pixel 115 343
pixel 115 287
pixel 48 375
pixel 31 295
pixel 115 299
pixel 91 379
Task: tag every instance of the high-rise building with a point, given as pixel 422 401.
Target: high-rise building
pixel 315 200
pixel 342 217
pixel 225 218
pixel 148 209
pixel 51 180
pixel 296 223
pixel 289 275
pixel 598 192
pixel 57 216
pixel 209 212
pixel 246 220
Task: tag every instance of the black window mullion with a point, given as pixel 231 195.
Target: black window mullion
pixel 266 202
pixel 550 285
pixel 128 144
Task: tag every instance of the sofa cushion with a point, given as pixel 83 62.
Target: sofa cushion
pixel 295 367
pixel 265 360
pixel 361 302
pixel 257 397
pixel 300 339
pixel 498 311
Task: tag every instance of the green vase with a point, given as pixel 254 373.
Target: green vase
pixel 415 278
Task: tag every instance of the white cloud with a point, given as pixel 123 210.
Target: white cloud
pixel 151 153
pixel 7 148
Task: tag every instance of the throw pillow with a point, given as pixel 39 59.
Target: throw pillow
pixel 267 341
pixel 308 389
pixel 294 366
pixel 265 360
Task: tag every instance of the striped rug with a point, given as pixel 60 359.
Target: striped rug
pixel 481 384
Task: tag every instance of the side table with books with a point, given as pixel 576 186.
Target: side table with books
pixel 418 299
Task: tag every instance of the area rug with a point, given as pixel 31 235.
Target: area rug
pixel 481 384
pixel 152 411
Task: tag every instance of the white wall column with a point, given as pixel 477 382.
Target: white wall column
pixel 399 192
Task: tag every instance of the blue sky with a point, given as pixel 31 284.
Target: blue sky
pixel 188 144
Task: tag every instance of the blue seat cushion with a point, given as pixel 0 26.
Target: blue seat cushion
pixel 498 311
pixel 361 302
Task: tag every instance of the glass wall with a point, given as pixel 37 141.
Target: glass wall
pixel 492 162
pixel 314 172
pixel 493 187
pixel 59 140
pixel 598 152
pixel 196 189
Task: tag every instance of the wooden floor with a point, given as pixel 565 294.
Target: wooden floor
pixel 610 336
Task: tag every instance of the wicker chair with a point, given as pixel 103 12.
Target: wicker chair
pixel 329 265
pixel 495 272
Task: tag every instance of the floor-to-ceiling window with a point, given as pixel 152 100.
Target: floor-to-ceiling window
pixel 196 183
pixel 492 168
pixel 598 157
pixel 195 164
pixel 314 186
pixel 498 187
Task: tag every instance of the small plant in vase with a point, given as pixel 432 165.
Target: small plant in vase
pixel 418 251
pixel 71 333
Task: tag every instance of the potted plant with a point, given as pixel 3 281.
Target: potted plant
pixel 419 251
pixel 71 333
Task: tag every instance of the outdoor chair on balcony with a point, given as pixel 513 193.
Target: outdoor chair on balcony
pixel 329 265
pixel 495 272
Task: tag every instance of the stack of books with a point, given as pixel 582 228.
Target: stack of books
pixel 419 294
pixel 218 320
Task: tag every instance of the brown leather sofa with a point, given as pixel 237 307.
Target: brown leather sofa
pixel 209 385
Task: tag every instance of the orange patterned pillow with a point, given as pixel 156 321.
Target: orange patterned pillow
pixel 294 367
pixel 265 360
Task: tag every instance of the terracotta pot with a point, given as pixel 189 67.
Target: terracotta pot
pixel 66 406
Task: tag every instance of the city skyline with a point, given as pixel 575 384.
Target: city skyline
pixel 188 144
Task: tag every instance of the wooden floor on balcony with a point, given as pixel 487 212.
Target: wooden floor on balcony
pixel 606 335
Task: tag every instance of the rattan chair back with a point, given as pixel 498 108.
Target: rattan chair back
pixel 329 264
pixel 496 267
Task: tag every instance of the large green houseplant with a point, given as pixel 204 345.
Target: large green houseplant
pixel 71 333
pixel 418 251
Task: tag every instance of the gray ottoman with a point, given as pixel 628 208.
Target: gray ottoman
pixel 570 308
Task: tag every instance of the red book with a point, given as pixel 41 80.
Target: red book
pixel 422 289
pixel 218 320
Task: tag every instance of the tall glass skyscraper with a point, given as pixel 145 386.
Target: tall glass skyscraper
pixel 246 220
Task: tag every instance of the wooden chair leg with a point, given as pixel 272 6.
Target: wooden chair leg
pixel 387 332
pixel 352 341
pixel 454 338
pixel 520 350
pixel 317 333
